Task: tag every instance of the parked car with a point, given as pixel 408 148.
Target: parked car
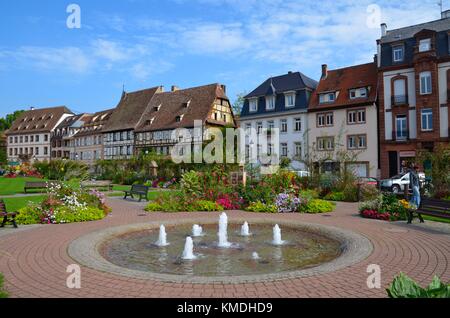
pixel 397 183
pixel 301 173
pixel 369 181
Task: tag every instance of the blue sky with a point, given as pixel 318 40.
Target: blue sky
pixel 145 43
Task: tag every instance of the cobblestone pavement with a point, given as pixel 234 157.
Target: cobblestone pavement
pixel 34 259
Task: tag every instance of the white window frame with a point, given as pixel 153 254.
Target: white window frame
pixel 283 125
pixel 425 84
pixel 297 124
pixel 270 102
pixel 286 99
pixel 399 48
pixel 284 149
pixel 425 45
pixel 428 114
pixel 253 102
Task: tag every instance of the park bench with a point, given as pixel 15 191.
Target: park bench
pixel 431 207
pixel 7 217
pixel 136 189
pixel 35 185
pixel 97 184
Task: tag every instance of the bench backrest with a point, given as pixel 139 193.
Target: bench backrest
pixel 96 183
pixel 139 188
pixel 37 184
pixel 441 206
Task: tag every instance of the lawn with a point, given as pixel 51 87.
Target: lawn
pixel 10 186
pixel 435 219
pixel 152 195
pixel 15 204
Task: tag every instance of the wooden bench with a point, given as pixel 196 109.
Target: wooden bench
pixel 35 185
pixel 7 217
pixel 97 184
pixel 137 189
pixel 432 207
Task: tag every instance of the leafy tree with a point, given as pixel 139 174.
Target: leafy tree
pixel 6 122
pixel 439 160
pixel 238 103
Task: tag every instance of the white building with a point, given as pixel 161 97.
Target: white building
pixel 280 102
pixel 29 138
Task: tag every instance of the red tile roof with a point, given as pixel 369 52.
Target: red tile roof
pixel 343 80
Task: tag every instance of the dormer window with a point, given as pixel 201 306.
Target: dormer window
pixel 270 102
pixel 186 105
pixel 358 93
pixel 253 105
pixel 424 45
pixel 327 98
pixel 156 108
pixel 179 118
pixel 289 99
pixel 398 53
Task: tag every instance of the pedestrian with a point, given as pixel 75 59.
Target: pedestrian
pixel 415 185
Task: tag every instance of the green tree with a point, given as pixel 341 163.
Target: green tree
pixel 238 103
pixel 6 122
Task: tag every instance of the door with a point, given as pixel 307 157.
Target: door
pixel 359 169
pixel 393 163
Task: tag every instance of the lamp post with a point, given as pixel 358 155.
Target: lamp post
pixel 252 145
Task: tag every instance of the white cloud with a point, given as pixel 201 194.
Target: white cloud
pixel 109 50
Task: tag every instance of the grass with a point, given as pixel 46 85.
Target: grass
pixel 152 195
pixel 3 293
pixel 15 204
pixel 9 186
pixel 435 219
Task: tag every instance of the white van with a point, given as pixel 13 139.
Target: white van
pixel 397 183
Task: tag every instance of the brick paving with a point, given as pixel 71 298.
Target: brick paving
pixel 34 260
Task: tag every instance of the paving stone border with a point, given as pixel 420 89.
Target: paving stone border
pixel 85 251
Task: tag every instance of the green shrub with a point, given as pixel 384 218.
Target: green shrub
pixel 318 206
pixel 29 215
pixel 405 287
pixel 3 293
pixel 66 215
pixel 309 194
pixel 153 207
pixel 258 206
pixel 208 206
pixel 62 169
pixel 190 183
pixel 335 196
pixel 350 193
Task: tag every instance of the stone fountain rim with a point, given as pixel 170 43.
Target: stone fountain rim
pixel 85 251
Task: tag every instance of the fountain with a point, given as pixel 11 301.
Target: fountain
pixel 255 256
pixel 188 253
pixel 277 236
pixel 222 234
pixel 197 230
pixel 162 240
pixel 245 230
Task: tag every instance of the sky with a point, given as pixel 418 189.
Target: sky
pixel 139 44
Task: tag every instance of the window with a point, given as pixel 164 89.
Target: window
pixel 298 124
pixel 259 127
pixel 329 119
pixel 398 53
pixel 37 138
pixel 401 127
pixel 298 150
pixel 45 150
pixel 10 140
pixel 284 150
pixel 248 128
pixel 357 142
pixel 290 100
pixel 36 150
pixel 424 45
pixel 270 124
pixel 269 149
pixel 10 151
pixel 45 137
pixel 284 125
pixel 425 83
pixel 399 97
pixel 15 151
pixel 327 98
pixel 21 139
pixel 320 120
pixel 356 116
pixel 325 143
pixel 15 140
pixel 128 150
pixel 31 138
pixel 253 105
pixel 270 102
pixel 358 93
pixel 427 119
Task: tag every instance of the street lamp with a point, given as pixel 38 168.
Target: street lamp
pixel 252 145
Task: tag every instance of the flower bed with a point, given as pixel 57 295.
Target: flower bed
pixel 23 170
pixel 65 205
pixel 385 207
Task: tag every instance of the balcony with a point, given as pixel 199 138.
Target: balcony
pixel 399 100
pixel 402 135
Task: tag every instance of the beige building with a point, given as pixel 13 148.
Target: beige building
pixel 342 121
pixel 29 138
pixel 87 144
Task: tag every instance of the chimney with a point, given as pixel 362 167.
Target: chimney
pixel 31 108
pixel 375 59
pixel 224 88
pixel 290 72
pixel 324 71
pixel 445 14
pixel 383 29
pixel 175 88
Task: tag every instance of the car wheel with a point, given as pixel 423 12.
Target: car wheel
pixel 395 189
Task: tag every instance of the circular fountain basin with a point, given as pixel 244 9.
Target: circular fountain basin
pixel 308 249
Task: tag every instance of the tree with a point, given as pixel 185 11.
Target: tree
pixel 238 103
pixel 6 122
pixel 439 159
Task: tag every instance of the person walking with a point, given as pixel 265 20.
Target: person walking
pixel 415 185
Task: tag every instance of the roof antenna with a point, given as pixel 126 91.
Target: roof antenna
pixel 440 5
